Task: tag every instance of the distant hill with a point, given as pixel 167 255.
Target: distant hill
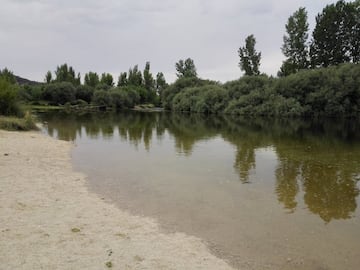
pixel 22 81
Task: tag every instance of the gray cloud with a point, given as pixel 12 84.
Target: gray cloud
pixel 110 36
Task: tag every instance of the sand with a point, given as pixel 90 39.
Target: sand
pixel 50 220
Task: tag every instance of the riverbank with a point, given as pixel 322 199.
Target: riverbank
pixel 49 220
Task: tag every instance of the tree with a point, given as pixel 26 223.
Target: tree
pixel 295 47
pixel 122 79
pixel 336 35
pixel 107 78
pixel 355 34
pixel 78 79
pixel 249 58
pixel 8 75
pixel 8 97
pixel 59 93
pixel 160 83
pixel 102 98
pixel 48 77
pixel 186 68
pixel 148 78
pixel 91 79
pixel 135 77
pixel 64 73
pixel 84 92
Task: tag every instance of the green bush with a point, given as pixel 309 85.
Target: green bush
pixel 9 98
pixel 120 99
pixel 102 98
pixel 59 93
pixel 247 84
pixel 333 91
pixel 185 100
pixel 180 84
pixel 84 92
pixel 31 93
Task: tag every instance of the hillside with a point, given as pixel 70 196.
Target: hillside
pixel 22 81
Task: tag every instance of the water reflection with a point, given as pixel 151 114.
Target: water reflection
pixel 317 161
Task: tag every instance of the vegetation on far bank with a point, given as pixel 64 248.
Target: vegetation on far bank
pixel 319 77
pixel 12 116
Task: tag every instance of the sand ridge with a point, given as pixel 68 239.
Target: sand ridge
pixel 49 220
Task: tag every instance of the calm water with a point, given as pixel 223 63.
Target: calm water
pixel 263 194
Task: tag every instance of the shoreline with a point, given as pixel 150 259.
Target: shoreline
pixel 50 220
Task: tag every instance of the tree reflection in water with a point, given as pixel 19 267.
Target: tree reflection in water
pixel 317 158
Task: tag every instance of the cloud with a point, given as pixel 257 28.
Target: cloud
pixel 110 36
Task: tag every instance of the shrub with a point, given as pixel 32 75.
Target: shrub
pixel 84 92
pixel 9 98
pixel 204 99
pixel 31 93
pixel 102 98
pixel 59 93
pixel 247 84
pixel 180 84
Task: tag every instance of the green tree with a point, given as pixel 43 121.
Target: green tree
pixel 59 93
pixel 65 73
pixel 8 75
pixel 336 35
pixel 148 78
pixel 186 68
pixel 135 77
pixel 84 92
pixel 8 97
pixel 249 58
pixel 122 79
pixel 78 79
pixel 48 77
pixel 91 79
pixel 295 46
pixel 102 98
pixel 160 82
pixel 107 78
pixel 355 34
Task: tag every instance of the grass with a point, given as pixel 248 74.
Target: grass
pixel 12 123
pixel 45 107
pixel 147 108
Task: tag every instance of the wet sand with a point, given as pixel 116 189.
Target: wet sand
pixel 50 220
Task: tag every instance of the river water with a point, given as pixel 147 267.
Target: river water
pixel 262 193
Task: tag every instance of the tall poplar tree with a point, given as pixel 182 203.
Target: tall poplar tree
pixel 148 78
pixel 295 46
pixel 122 81
pixel 48 77
pixel 91 79
pixel 107 78
pixel 249 58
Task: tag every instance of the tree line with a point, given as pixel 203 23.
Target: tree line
pixel 320 76
pixel 132 87
pixel 335 40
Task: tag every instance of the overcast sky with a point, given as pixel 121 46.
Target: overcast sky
pixel 113 35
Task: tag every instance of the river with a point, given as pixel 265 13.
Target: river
pixel 262 193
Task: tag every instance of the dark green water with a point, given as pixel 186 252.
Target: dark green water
pixel 264 194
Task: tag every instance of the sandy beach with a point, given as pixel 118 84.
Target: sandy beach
pixel 49 220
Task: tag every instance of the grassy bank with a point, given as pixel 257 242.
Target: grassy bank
pixel 17 124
